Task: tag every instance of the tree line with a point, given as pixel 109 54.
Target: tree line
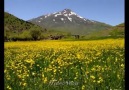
pixel 33 34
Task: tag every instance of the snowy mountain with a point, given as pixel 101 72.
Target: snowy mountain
pixel 68 21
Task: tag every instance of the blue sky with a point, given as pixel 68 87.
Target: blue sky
pixel 107 11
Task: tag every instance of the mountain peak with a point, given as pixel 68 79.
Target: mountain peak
pixel 68 20
pixel 67 9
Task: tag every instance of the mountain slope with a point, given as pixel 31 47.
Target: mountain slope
pixel 13 23
pixel 118 30
pixel 14 27
pixel 69 21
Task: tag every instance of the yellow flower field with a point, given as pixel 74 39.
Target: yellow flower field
pixel 64 65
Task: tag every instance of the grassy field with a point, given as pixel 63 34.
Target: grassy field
pixel 64 65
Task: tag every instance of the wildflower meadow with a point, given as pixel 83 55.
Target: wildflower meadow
pixel 64 65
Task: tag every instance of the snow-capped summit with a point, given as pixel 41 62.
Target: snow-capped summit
pixel 66 11
pixel 65 15
pixel 68 20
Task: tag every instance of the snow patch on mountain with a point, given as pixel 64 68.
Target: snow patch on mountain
pixel 80 16
pixel 65 14
pixel 62 19
pixel 85 19
pixel 72 13
pixel 70 19
pixel 57 14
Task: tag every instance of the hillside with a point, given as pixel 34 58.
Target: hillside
pixel 17 28
pixel 117 31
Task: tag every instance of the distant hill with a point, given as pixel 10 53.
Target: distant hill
pixel 120 25
pixel 68 21
pixel 118 30
pixel 114 32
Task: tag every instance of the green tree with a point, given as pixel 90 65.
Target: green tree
pixel 25 35
pixel 35 32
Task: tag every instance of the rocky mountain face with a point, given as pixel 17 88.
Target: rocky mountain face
pixel 68 21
